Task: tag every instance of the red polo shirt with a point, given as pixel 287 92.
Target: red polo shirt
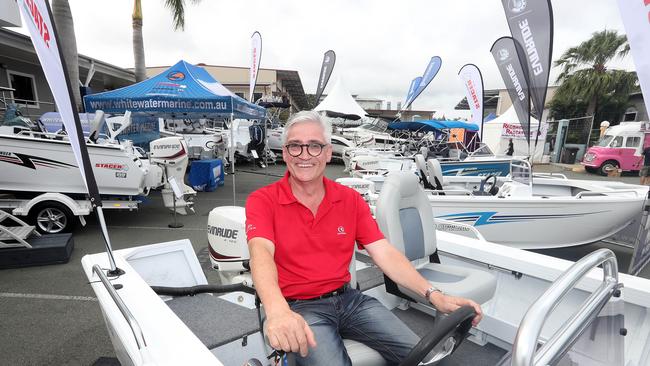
pixel 312 254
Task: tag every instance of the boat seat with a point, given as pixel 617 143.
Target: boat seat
pixel 435 173
pixel 406 218
pixel 421 165
pixel 15 236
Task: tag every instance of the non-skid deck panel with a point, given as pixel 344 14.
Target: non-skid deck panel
pixel 45 250
pixel 213 320
pixel 468 353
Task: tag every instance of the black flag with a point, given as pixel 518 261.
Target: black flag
pixel 325 72
pixel 504 51
pixel 531 24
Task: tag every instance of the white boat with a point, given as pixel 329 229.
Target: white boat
pixel 34 163
pixel 202 142
pixel 529 212
pixel 575 311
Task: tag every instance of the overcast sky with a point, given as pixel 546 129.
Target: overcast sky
pixel 380 45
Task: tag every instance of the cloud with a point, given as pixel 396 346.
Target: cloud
pixel 380 44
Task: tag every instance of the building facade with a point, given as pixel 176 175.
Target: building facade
pixel 23 81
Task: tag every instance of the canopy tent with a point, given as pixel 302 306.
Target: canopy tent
pixel 339 103
pixel 498 132
pixel 432 125
pixel 182 91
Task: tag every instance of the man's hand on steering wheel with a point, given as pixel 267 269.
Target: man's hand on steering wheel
pixel 288 331
pixel 447 304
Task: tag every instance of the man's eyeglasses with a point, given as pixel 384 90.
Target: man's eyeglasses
pixel 314 149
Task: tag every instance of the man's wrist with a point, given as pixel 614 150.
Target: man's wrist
pixel 430 291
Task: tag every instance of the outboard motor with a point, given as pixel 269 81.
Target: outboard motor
pixel 171 154
pixel 228 245
pixel 256 143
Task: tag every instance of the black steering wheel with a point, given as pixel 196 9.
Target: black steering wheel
pixel 444 339
pixel 492 181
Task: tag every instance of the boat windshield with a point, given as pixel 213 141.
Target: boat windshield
pixel 371 127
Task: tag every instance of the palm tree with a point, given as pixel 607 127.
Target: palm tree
pixel 177 8
pixel 65 30
pixel 585 77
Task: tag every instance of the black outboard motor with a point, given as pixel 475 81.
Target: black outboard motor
pixel 256 144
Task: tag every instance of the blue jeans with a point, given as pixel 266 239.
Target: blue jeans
pixel 352 315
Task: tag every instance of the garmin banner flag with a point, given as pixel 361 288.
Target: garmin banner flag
pixel 504 51
pixel 473 81
pixel 636 19
pixel 329 59
pixel 37 17
pixel 415 84
pixel 531 24
pixel 256 56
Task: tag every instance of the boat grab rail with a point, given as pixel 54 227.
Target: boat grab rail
pixel 525 343
pixel 130 319
pixel 550 175
pixel 599 193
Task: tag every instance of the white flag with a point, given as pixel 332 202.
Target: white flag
pixel 636 19
pixel 37 18
pixel 256 56
pixel 473 81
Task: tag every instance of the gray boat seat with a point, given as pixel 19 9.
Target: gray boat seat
pixel 406 218
pixel 421 166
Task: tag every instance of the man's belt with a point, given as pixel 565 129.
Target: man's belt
pixel 336 292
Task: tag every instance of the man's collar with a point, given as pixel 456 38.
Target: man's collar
pixel 332 191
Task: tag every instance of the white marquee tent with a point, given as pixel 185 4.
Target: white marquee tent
pixel 341 103
pixel 498 132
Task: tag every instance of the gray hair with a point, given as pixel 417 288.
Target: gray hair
pixel 308 116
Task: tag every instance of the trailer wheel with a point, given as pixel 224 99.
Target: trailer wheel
pixel 52 218
pixel 607 166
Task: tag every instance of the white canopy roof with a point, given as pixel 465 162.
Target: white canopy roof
pixel 339 100
pixel 497 137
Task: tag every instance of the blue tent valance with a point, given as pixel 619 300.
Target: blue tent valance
pixel 431 126
pixel 182 91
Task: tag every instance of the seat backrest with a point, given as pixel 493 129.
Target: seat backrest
pixel 435 173
pixel 405 216
pixel 421 165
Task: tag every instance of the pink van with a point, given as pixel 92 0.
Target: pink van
pixel 620 147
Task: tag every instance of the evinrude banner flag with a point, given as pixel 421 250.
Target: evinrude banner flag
pixel 325 72
pixel 37 17
pixel 415 84
pixel 429 73
pixel 256 56
pixel 531 24
pixel 504 51
pixel 636 19
pixel 473 81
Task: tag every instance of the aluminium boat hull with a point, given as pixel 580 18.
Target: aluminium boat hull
pixel 555 215
pixel 46 165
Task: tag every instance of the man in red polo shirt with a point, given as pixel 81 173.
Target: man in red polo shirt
pixel 301 234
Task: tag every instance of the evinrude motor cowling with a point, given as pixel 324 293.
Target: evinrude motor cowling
pixel 228 245
pixel 171 154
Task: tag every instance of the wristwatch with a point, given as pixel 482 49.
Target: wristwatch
pixel 431 290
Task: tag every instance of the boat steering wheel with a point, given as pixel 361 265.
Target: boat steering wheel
pixel 490 180
pixel 444 339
